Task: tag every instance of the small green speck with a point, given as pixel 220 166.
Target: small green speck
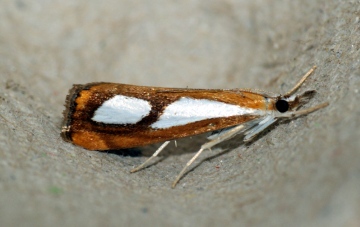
pixel 144 210
pixel 55 190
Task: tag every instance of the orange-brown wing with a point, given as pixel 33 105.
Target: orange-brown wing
pixel 151 114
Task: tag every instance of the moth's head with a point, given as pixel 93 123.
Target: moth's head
pixel 292 103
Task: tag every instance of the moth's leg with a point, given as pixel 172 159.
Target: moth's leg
pixel 251 134
pixel 186 166
pixel 292 91
pixel 298 113
pixel 151 158
pixel 247 126
pixel 217 133
pixel 222 137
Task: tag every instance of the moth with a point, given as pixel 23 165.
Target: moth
pixel 109 116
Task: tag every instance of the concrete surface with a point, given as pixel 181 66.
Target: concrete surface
pixel 301 173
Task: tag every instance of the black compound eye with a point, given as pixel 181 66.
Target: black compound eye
pixel 282 106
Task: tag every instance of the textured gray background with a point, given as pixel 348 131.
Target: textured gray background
pixel 305 172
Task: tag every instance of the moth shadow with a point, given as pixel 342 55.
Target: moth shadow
pixel 233 143
pixel 130 152
pixel 176 147
pixel 191 145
